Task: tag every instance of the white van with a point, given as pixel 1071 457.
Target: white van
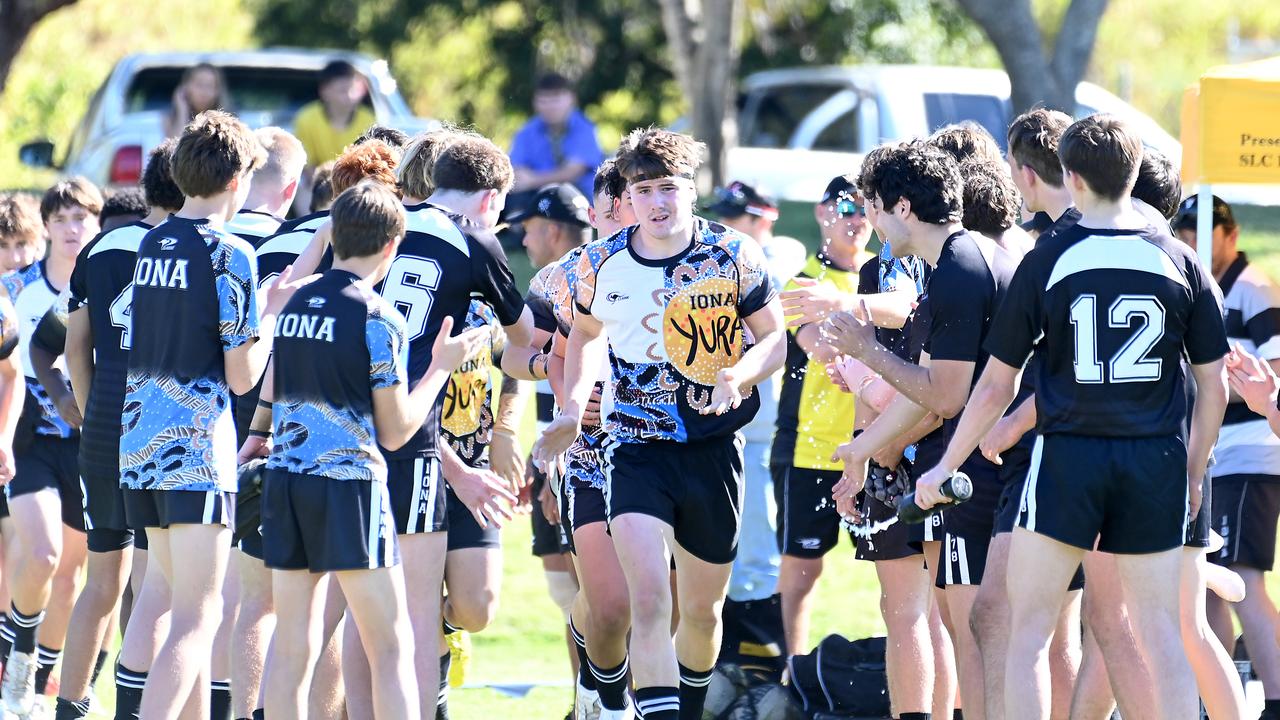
pixel 799 127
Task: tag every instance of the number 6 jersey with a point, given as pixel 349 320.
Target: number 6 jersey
pixel 442 263
pixel 1110 314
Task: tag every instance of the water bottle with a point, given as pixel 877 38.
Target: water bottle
pixel 958 487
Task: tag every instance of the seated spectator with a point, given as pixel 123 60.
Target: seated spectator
pixel 202 88
pixel 328 125
pixel 558 144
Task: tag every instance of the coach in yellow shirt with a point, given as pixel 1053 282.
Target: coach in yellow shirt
pixel 328 125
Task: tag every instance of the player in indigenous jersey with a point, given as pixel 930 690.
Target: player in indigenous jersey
pixel 449 255
pixel 274 185
pixel 692 325
pixel 556 227
pixel 194 340
pixel 44 494
pixel 332 412
pixel 1111 307
pixel 916 190
pixel 90 324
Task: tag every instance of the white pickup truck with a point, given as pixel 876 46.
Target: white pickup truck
pixel 125 119
pixel 799 127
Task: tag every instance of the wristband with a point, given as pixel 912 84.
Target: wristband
pixel 533 360
pixel 504 432
pixel 266 404
pixel 863 385
pixel 259 433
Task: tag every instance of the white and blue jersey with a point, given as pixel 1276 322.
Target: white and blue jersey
pixel 336 342
pixel 32 295
pixel 194 298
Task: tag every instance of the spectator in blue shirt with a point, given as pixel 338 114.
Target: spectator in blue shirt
pixel 558 144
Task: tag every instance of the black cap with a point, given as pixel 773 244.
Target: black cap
pixel 1188 214
pixel 739 198
pixel 840 187
pixel 561 202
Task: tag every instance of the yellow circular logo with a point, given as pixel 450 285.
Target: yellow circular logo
pixel 465 394
pixel 701 330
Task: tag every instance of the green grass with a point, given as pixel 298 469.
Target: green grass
pixel 525 644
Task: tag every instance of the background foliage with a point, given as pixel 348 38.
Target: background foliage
pixel 473 61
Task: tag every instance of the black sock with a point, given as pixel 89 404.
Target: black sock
pixel 957 714
pixel 693 692
pixel 97 668
pixel 1271 705
pixel 24 629
pixel 448 627
pixel 442 697
pixel 585 678
pixel 129 686
pixel 6 637
pixel 46 658
pixel 220 700
pixel 260 714
pixel 71 709
pixel 658 703
pixel 611 683
pixel 916 716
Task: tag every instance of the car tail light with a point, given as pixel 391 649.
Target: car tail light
pixel 126 165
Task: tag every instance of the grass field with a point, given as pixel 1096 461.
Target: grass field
pixel 525 645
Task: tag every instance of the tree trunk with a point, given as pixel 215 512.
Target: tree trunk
pixel 705 42
pixel 1035 79
pixel 17 18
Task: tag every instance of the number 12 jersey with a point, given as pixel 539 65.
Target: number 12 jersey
pixel 1111 314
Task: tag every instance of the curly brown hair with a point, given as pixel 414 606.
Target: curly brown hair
pixel 371 160
pixel 651 152
pixel 991 200
pixel 967 141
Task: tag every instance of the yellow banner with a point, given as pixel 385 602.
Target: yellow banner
pixel 1239 118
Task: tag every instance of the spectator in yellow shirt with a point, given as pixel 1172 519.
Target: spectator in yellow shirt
pixel 328 125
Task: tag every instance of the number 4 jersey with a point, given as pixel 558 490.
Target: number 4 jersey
pixel 102 284
pixel 1110 313
pixel 442 263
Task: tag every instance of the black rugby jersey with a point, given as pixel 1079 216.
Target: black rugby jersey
pixel 442 263
pixel 254 226
pixel 194 298
pixel 1110 314
pixel 336 342
pixel 102 284
pixel 274 254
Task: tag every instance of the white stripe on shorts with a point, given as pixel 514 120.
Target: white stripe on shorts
pixel 607 466
pixel 375 524
pixel 1029 489
pixel 962 557
pixel 433 483
pixel 415 501
pixel 209 506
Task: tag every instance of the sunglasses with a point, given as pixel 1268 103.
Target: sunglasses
pixel 848 208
